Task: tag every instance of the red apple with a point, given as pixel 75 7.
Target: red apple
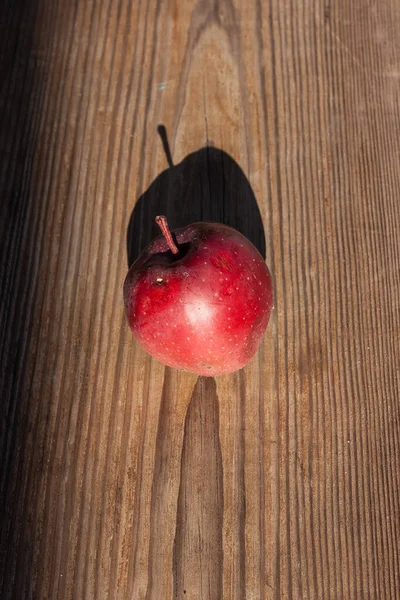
pixel 200 300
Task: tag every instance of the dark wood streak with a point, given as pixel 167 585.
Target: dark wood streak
pixel 320 182
pixel 303 342
pixel 239 591
pixel 261 485
pixel 77 212
pixel 197 557
pixel 333 391
pixel 269 129
pixel 277 172
pixel 135 544
pixel 25 93
pixel 161 496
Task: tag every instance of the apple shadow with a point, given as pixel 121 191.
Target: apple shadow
pixel 208 185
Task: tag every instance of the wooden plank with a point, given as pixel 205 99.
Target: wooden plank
pixel 121 478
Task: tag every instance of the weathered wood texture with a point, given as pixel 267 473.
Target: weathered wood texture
pixel 124 480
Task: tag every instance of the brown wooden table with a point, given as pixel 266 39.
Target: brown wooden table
pixel 121 479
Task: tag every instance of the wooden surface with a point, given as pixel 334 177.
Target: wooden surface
pixel 124 480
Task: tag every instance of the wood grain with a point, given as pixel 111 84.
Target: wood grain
pixel 121 479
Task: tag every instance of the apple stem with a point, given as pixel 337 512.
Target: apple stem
pixel 163 225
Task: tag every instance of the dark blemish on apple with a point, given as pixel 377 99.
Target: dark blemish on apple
pixel 205 365
pixel 221 262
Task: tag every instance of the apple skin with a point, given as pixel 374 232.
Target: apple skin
pixel 205 309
